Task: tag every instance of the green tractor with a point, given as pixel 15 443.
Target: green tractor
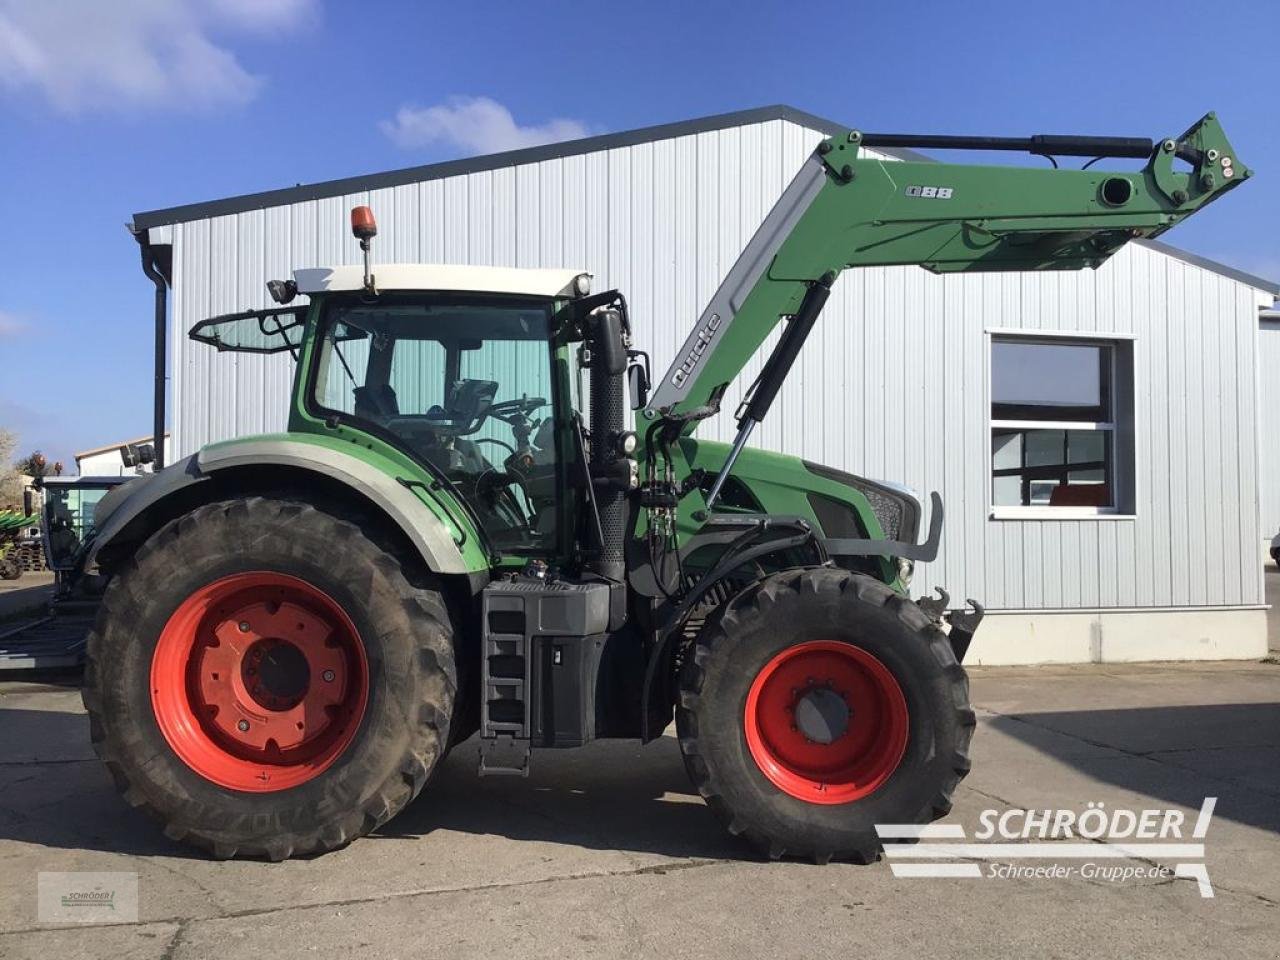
pixel 460 533
pixel 15 535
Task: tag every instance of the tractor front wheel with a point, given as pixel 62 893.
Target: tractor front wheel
pixel 817 704
pixel 264 680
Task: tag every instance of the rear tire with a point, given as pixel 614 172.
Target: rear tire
pixel 895 739
pixel 163 709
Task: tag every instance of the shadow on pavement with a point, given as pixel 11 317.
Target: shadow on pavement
pixel 1176 754
pixel 24 602
pixel 617 795
pixel 610 795
pixel 613 795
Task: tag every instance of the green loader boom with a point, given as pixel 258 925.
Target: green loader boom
pixel 849 208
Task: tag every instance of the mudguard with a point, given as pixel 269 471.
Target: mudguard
pixel 401 504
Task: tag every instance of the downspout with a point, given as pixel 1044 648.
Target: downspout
pixel 161 341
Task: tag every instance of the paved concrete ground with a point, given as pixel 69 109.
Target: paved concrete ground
pixel 605 852
pixel 29 593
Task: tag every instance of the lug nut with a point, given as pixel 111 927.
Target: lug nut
pixel 243 726
pixel 328 676
pixel 244 626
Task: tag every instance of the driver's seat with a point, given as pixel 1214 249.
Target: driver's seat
pixel 377 402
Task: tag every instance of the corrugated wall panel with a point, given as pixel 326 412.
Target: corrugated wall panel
pixel 1269 389
pixel 893 383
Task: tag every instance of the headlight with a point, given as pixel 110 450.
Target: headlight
pixel 582 284
pixel 627 443
pixel 906 568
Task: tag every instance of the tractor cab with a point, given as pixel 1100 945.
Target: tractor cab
pixel 468 371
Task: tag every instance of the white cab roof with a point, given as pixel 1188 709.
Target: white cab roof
pixel 427 276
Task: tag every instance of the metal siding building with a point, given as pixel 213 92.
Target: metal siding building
pixel 1269 387
pixel 663 213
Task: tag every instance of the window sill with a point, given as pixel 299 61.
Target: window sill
pixel 1057 513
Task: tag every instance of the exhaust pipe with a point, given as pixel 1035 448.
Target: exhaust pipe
pixel 608 389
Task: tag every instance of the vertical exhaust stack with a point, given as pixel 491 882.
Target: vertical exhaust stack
pixel 608 389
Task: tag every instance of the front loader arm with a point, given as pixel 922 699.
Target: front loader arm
pixel 848 209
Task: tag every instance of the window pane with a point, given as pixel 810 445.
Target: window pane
pixel 1044 447
pixel 1006 491
pixel 1086 447
pixel 463 385
pixel 1006 450
pixel 1057 468
pixel 1050 381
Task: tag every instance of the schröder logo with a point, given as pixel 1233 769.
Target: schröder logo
pixel 86 897
pixel 1095 823
pixel 1075 839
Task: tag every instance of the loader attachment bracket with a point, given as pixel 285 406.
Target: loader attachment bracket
pixel 962 621
pixel 964 624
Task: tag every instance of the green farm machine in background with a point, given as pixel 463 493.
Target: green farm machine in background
pixel 461 533
pixel 51 537
pixel 16 532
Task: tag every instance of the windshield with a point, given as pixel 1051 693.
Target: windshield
pixel 462 383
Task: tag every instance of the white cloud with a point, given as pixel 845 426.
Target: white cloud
pixel 264 14
pixel 11 326
pixel 90 54
pixel 476 125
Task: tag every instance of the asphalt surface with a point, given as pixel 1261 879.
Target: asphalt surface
pixel 26 596
pixel 606 852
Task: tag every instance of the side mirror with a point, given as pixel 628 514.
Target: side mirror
pixel 638 385
pixel 607 350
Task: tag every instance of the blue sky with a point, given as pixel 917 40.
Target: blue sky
pixel 107 109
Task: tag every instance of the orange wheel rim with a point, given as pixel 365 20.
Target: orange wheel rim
pixel 259 681
pixel 826 722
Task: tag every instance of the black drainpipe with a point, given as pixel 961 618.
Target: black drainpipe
pixel 161 346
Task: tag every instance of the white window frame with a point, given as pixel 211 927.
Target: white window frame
pixel 1122 486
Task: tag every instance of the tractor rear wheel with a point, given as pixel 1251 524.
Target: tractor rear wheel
pixel 264 680
pixel 818 703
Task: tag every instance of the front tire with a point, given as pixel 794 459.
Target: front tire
pixel 264 680
pixel 818 703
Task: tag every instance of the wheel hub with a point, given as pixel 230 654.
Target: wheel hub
pixel 275 684
pixel 822 715
pixel 276 674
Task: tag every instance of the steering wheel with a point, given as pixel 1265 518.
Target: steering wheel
pixel 501 443
pixel 506 410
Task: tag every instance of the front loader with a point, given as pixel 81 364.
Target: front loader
pixel 461 534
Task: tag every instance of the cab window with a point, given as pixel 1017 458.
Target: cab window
pixel 463 384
